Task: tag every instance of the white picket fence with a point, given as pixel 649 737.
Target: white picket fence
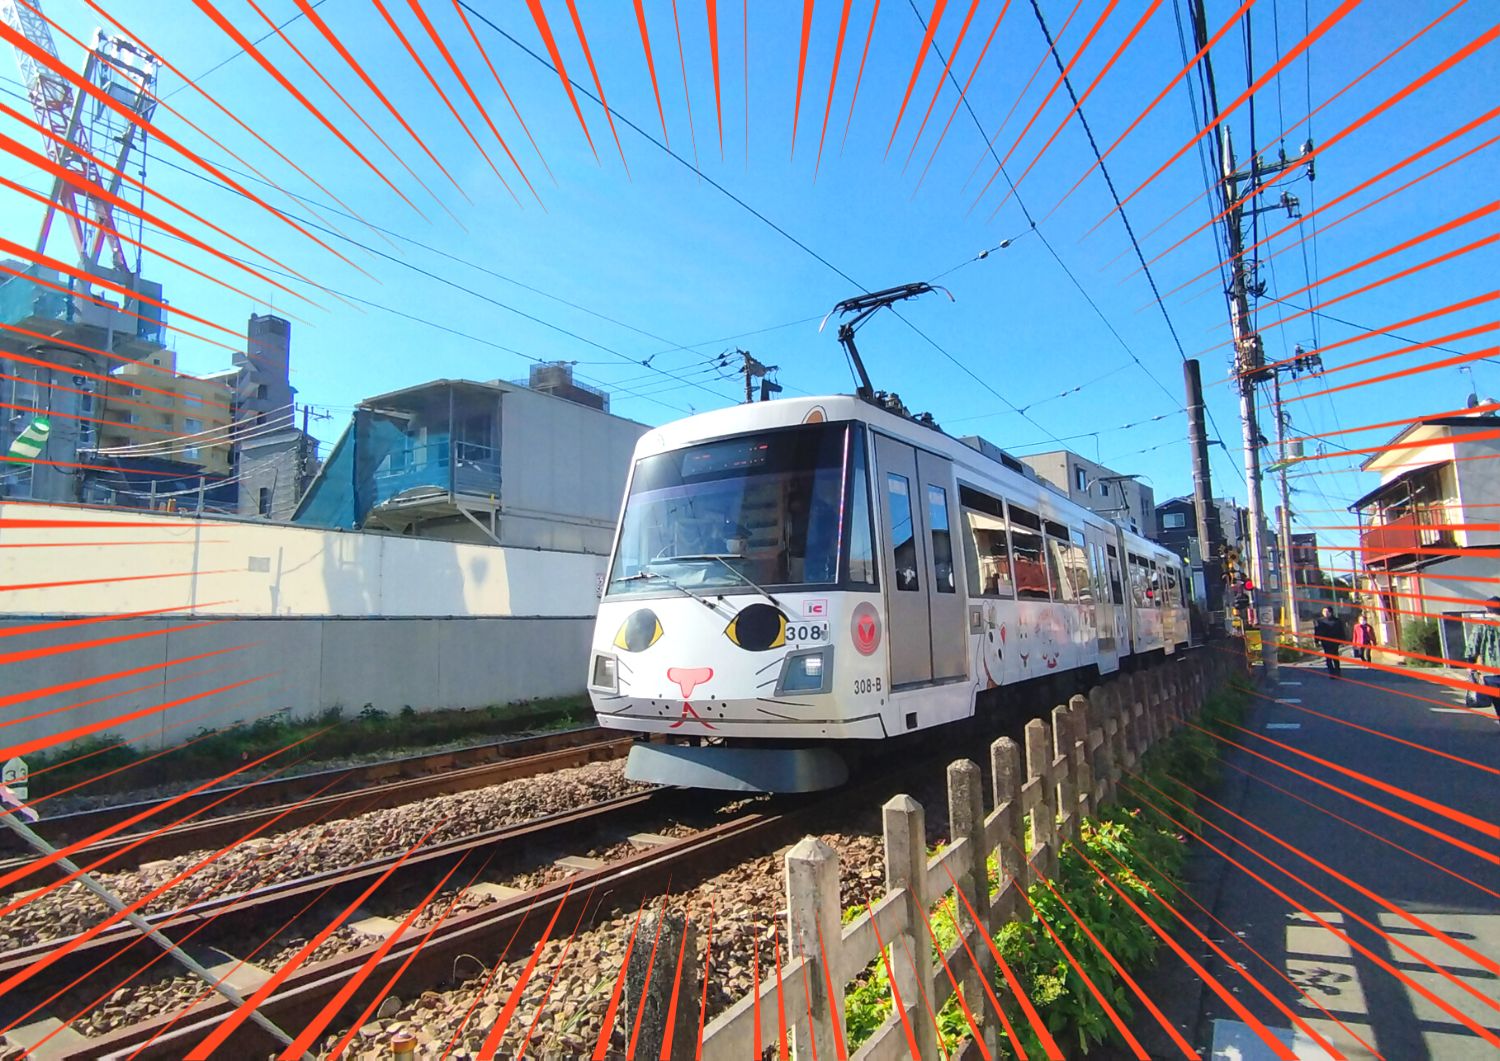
pixel 1072 766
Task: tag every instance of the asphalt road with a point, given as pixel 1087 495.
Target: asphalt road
pixel 1359 955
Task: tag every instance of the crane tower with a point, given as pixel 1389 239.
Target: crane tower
pixel 84 127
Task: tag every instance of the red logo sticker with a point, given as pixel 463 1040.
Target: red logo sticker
pixel 865 627
pixel 815 609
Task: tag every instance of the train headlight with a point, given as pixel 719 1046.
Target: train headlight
pixel 605 676
pixel 809 671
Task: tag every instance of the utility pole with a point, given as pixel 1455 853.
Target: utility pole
pixel 304 447
pixel 752 370
pixel 1210 535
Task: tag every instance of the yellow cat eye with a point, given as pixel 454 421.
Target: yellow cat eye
pixel 758 628
pixel 639 631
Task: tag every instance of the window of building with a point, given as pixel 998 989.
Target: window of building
pixel 265 500
pixel 1081 478
pixel 262 392
pixel 1103 489
pixel 1173 520
pixel 191 426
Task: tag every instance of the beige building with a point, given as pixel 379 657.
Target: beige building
pixel 168 414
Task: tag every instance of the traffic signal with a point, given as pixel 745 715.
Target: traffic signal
pixel 1249 586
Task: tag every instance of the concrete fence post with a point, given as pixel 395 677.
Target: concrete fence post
pixel 1065 779
pixel 1039 768
pixel 677 936
pixel 1078 707
pixel 966 822
pixel 814 932
pixel 1005 768
pixel 910 949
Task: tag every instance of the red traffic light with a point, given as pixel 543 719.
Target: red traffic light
pixel 1249 586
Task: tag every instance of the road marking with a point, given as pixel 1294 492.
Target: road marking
pixel 1453 710
pixel 1283 725
pixel 1289 700
pixel 1288 683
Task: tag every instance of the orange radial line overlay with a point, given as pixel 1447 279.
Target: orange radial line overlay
pixel 607 1027
pixel 938 7
pixel 1275 1045
pixel 859 77
pixel 1437 834
pixel 437 39
pixel 1057 84
pixel 1368 832
pixel 1229 24
pixel 1317 32
pixel 1161 1018
pixel 807 14
pixel 217 1038
pixel 55 65
pixel 557 969
pixel 963 94
pixel 708 951
pixel 492 1040
pixel 1110 1011
pixel 1341 908
pixel 1388 57
pixel 1436 934
pixel 309 1035
pixel 1223 956
pixel 635 1031
pixel 952 980
pixel 40 161
pixel 1447 64
pixel 989 145
pixel 232 117
pixel 281 34
pixel 333 39
pixel 161 102
pixel 958 43
pixel 1078 104
pixel 712 14
pixel 687 94
pixel 483 54
pixel 422 66
pixel 1049 1045
pixel 157 251
pixel 640 19
pixel 984 982
pixel 588 57
pixel 833 80
pixel 9 247
pixel 494 971
pixel 545 29
pixel 890 976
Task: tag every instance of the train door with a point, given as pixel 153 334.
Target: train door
pixel 1104 603
pixel 925 612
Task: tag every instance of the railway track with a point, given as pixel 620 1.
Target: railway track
pixel 344 792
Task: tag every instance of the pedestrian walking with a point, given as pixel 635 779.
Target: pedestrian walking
pixel 1364 639
pixel 1329 632
pixel 1484 651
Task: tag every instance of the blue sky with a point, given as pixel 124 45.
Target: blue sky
pixel 661 264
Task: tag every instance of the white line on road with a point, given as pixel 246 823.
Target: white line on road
pixel 1283 725
pixel 1289 700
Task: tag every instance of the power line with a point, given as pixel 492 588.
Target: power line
pixel 232 56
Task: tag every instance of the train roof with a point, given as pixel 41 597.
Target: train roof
pixel 972 452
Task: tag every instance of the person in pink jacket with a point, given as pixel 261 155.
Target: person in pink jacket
pixel 1364 639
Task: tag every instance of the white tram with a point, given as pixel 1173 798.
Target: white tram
pixel 790 576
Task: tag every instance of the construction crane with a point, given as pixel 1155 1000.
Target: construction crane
pixel 83 126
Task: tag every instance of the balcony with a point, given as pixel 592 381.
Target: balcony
pixel 1423 527
pixel 422 472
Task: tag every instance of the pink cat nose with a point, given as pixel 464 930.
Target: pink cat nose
pixel 689 678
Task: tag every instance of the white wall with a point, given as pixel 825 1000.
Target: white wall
pixel 128 562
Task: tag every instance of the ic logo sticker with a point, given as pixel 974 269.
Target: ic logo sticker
pixel 865 626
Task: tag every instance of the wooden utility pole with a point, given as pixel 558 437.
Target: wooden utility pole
pixel 752 370
pixel 1210 534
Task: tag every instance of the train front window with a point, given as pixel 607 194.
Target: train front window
pixel 765 508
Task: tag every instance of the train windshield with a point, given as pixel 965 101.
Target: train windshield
pixel 764 509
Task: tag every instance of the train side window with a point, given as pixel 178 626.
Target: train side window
pixel 1057 568
pixel 1082 576
pixel 861 537
pixel 1138 582
pixel 1115 593
pixel 1158 597
pixel 988 556
pixel 903 536
pixel 942 540
pixel 1026 547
